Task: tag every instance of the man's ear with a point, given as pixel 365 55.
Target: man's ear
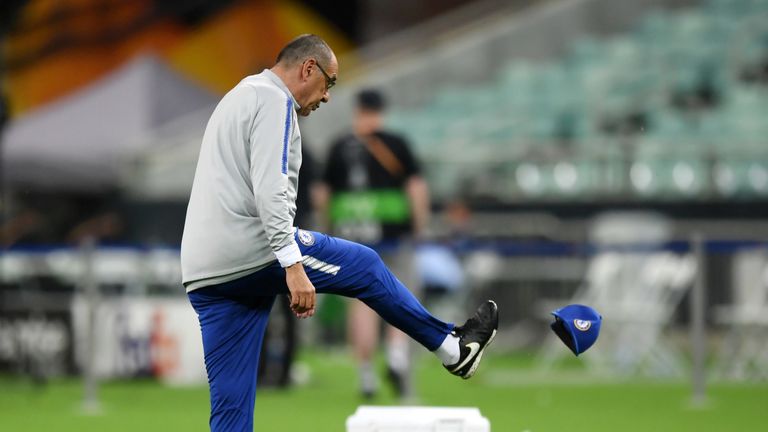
pixel 306 67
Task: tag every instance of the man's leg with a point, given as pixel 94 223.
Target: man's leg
pixel 345 268
pixel 363 333
pixel 401 261
pixel 363 327
pixel 232 322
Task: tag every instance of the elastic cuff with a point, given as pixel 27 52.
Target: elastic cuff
pixel 288 255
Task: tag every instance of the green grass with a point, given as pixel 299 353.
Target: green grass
pixel 505 389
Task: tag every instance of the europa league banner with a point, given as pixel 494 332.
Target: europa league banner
pixel 36 342
pixel 142 336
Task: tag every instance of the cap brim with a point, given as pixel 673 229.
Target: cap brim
pixel 564 333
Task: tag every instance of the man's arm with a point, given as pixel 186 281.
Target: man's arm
pixel 301 291
pixel 270 139
pixel 322 193
pixel 418 196
pixel 415 187
pixel 321 196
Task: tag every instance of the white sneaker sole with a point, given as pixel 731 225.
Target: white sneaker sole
pixel 479 357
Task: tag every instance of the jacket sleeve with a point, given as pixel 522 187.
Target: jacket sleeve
pixel 269 142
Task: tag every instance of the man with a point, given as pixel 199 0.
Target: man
pixel 240 250
pixel 374 194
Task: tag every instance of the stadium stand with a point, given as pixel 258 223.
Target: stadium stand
pixel 677 102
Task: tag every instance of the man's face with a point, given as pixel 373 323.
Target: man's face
pixel 317 88
pixel 367 121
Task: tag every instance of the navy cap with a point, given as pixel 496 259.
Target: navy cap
pixel 577 326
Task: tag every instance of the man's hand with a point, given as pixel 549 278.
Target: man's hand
pixel 301 291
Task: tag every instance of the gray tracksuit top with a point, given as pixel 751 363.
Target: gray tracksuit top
pixel 243 201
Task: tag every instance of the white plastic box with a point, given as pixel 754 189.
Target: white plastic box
pixel 417 419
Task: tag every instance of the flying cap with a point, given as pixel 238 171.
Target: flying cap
pixel 577 326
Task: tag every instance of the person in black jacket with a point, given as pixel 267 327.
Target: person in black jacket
pixel 375 195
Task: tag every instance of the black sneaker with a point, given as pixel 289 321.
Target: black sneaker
pixel 474 336
pixel 368 395
pixel 400 380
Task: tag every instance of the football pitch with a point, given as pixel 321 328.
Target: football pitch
pixel 508 393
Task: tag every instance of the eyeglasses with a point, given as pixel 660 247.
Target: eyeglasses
pixel 329 81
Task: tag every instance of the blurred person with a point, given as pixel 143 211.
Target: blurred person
pixel 47 217
pixel 305 193
pixel 20 227
pixel 374 194
pixel 104 226
pixel 240 249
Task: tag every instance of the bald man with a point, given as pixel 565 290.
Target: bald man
pixel 240 248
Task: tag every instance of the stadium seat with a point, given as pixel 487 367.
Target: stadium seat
pixel 673 85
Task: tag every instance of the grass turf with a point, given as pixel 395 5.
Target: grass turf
pixel 504 389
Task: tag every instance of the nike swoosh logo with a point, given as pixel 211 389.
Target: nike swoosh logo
pixel 474 347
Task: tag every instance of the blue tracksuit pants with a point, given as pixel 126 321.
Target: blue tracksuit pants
pixel 233 317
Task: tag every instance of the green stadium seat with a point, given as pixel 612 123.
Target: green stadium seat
pixel 557 109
